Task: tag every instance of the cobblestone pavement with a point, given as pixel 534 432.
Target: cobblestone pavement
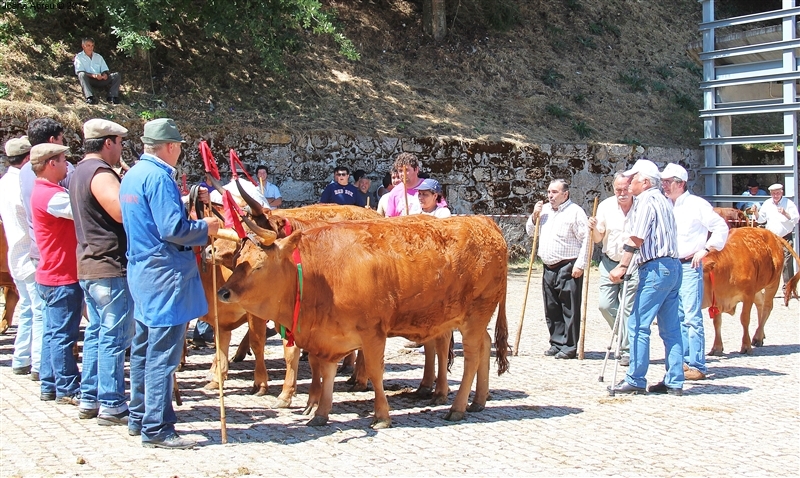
pixel 546 417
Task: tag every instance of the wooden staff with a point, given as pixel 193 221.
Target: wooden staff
pixel 223 427
pixel 585 298
pixel 261 184
pixel 405 188
pixel 527 284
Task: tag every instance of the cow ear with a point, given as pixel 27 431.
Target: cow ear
pixel 289 244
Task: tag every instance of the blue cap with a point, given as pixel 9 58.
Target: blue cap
pixel 430 185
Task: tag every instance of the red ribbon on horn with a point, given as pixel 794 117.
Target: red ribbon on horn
pixel 209 163
pixel 234 161
pixel 232 214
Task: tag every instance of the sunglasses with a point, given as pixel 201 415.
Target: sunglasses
pixel 342 174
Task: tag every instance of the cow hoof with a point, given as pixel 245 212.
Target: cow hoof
pixel 475 407
pixel 345 369
pixel 353 379
pixel 359 387
pixel 3 327
pixel 212 386
pixel 238 358
pixel 439 400
pixel 283 403
pixel 715 353
pixel 318 421
pixel 424 392
pixel 309 408
pixel 454 416
pixel 758 343
pixel 259 391
pixel 381 423
pixel 746 351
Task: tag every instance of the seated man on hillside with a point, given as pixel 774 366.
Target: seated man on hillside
pixel 92 71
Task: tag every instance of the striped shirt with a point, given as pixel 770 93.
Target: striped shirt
pixel 652 221
pixel 562 234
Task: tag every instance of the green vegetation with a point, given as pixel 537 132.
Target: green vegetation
pixel 552 78
pixel 630 141
pixel 685 101
pixel 4 90
pixel 658 86
pixel 583 130
pixel 557 111
pixel 665 72
pixel 580 98
pixel 633 78
pixel 692 67
pixel 271 27
pixel 573 5
pixel 501 15
pixel 148 115
pixel 588 42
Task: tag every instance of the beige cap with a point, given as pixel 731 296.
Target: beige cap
pixel 99 128
pixel 17 146
pixel 775 186
pixel 42 152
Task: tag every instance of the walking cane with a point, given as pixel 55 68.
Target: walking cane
pixel 527 284
pixel 223 427
pixel 616 336
pixel 585 297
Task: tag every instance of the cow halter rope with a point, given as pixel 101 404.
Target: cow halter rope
pixel 527 283
pixel 585 298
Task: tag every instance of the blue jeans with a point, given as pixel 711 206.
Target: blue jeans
pixel 155 355
pixel 61 312
pixel 203 331
pixel 656 296
pixel 110 309
pixel 691 314
pixel 28 344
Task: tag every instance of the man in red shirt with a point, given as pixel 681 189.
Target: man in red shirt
pixel 56 274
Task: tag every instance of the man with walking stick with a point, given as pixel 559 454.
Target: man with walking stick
pixel 653 233
pixel 164 281
pixel 608 227
pixel 563 241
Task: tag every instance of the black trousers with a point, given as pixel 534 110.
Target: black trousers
pixel 562 306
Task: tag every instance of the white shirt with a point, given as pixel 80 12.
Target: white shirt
pixel 694 219
pixel 777 222
pixel 611 222
pixel 440 212
pixel 562 234
pixel 248 187
pixel 15 224
pixel 270 191
pixel 94 65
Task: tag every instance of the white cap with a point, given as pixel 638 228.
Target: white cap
pixel 675 171
pixel 775 186
pixel 644 166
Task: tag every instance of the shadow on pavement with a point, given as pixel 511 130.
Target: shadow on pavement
pixel 707 388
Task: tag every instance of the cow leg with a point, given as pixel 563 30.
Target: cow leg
pixel 224 336
pixel 442 354
pixel 292 357
pixel 425 389
pixel 764 309
pixel 717 348
pixel 473 341
pixel 359 378
pixel 315 388
pixel 747 348
pixel 373 349
pixel 328 373
pixel 8 312
pixel 348 364
pixel 482 383
pixel 243 349
pixel 257 328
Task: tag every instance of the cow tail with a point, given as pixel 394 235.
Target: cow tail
pixel 791 286
pixel 501 336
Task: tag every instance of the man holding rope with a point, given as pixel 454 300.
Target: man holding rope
pixel 652 232
pixel 563 241
pixel 164 281
pixel 608 227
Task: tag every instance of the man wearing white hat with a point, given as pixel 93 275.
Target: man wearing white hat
pixel 56 274
pixel 700 230
pixel 653 234
pixel 28 343
pixel 102 265
pixel 781 216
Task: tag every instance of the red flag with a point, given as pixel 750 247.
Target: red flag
pixel 234 161
pixel 209 163
pixel 232 213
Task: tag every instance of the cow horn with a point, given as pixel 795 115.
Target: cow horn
pixel 216 184
pixel 266 237
pixel 227 234
pixel 255 207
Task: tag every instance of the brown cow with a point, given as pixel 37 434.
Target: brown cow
pixel 747 270
pixel 427 276
pixel 6 284
pixel 733 217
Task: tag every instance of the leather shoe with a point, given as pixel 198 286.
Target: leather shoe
pixel 35 376
pixel 21 370
pixel 109 419
pixel 134 432
pixel 47 396
pixel 693 374
pixel 625 388
pixel 625 360
pixel 87 413
pixel 551 351
pixel 91 101
pixel 661 388
pixel 173 442
pixel 113 99
pixel 564 355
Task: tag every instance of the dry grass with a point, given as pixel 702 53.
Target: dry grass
pixel 476 84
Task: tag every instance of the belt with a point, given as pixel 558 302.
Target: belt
pixel 655 259
pixel 686 260
pixel 559 264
